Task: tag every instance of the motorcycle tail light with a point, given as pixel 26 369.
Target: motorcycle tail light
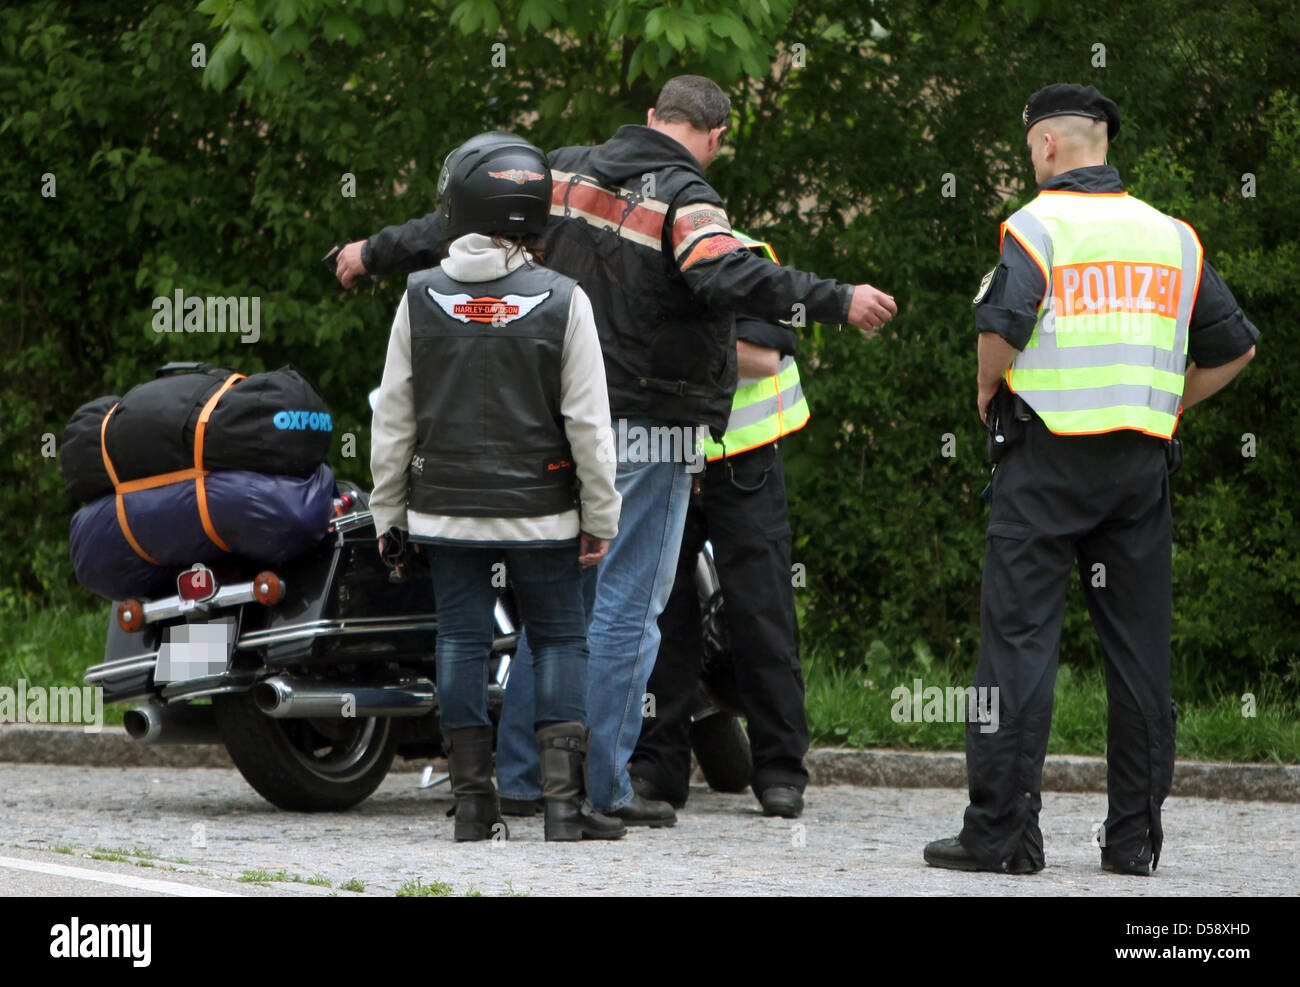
pixel 130 615
pixel 196 583
pixel 342 504
pixel 268 588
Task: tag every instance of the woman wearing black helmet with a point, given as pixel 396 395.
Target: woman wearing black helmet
pixel 492 445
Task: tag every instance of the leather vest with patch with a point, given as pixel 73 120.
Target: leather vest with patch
pixel 485 363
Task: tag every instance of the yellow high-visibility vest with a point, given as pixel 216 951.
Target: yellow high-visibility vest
pixel 1109 349
pixel 764 408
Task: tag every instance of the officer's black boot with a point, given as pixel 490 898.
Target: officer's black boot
pixel 469 761
pixel 563 750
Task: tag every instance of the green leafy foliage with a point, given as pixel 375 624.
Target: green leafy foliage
pixel 223 170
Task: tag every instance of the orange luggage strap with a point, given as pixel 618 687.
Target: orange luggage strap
pixel 196 473
pixel 199 472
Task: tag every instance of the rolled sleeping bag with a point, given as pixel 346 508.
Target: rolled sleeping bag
pixel 261 517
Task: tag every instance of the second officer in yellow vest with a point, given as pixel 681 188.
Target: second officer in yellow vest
pixel 1100 324
pixel 741 508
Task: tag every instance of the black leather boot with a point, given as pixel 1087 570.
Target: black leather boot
pixel 469 762
pixel 563 750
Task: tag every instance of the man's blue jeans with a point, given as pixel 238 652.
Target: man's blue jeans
pixel 631 589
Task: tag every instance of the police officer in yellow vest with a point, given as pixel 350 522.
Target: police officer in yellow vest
pixel 741 508
pixel 1101 323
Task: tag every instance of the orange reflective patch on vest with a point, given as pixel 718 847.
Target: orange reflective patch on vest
pixel 1102 287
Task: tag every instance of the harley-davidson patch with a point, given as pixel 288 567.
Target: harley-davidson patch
pixel 705 217
pixel 486 308
pixel 517 175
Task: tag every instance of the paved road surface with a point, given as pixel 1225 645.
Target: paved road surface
pixel 202 829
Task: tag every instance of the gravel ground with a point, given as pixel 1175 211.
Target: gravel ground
pixel 212 828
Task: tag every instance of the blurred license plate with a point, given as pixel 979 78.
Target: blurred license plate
pixel 195 651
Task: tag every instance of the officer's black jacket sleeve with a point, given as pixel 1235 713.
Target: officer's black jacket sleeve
pixel 1009 306
pixel 412 246
pixel 761 332
pixel 1220 331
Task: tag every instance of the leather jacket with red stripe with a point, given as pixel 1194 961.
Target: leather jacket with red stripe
pixel 635 223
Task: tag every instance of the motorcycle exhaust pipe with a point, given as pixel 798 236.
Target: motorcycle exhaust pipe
pixel 286 697
pixel 181 724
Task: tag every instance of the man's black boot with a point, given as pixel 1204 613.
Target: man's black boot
pixel 469 762
pixel 951 854
pixel 1125 863
pixel 651 792
pixel 568 816
pixel 785 801
pixel 642 811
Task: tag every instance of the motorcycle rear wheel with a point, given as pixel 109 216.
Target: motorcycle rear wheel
pixel 305 765
pixel 721 747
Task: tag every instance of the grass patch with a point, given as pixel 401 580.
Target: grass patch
pixel 853 707
pixel 352 885
pixel 139 856
pixel 52 646
pixel 258 876
pixel 320 880
pixel 847 706
pixel 418 889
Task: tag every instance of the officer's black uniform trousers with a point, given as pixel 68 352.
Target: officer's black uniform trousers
pixel 1102 500
pixel 742 510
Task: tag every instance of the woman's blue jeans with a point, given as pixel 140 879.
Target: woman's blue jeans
pixel 548 588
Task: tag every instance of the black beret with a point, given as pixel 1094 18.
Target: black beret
pixel 1067 99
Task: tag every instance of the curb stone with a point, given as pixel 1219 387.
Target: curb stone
pixel 1061 773
pixel 71 745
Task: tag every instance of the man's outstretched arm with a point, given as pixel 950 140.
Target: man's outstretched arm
pixel 722 272
pixel 410 246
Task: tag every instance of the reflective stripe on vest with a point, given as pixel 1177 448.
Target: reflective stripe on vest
pixel 1109 349
pixel 762 411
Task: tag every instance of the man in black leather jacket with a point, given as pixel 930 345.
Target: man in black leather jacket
pixel 636 223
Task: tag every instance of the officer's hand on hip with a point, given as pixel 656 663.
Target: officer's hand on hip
pixel 591 550
pixel 350 266
pixel 982 401
pixel 870 308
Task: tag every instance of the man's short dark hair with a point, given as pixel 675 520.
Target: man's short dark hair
pixel 695 100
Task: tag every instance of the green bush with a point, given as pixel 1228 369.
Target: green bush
pixel 229 180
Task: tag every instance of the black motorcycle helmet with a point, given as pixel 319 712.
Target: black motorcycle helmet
pixel 495 183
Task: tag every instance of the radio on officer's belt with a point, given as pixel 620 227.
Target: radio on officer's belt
pixel 1004 436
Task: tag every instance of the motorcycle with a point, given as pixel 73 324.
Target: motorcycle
pixel 316 675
